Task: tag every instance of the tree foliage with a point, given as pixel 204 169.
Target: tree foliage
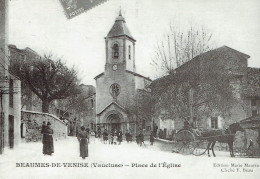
pixel 140 111
pixel 78 103
pixel 47 78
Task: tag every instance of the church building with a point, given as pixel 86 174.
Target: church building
pixel 118 85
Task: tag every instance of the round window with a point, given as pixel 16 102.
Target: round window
pixel 115 90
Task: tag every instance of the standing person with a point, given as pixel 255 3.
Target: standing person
pixel 160 134
pixel 130 137
pixel 49 149
pixel 152 138
pixel 115 138
pixel 83 142
pixel 141 138
pixel 110 137
pixel 105 136
pixel 155 130
pixel 44 126
pixel 127 136
pixel 88 134
pixel 99 133
pixel 250 151
pixel 92 136
pixel 120 136
pixel 137 139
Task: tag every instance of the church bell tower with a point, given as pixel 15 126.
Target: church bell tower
pixel 120 47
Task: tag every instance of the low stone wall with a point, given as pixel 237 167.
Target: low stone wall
pixel 32 124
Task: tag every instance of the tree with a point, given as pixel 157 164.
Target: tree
pixel 197 88
pixel 196 83
pixel 141 109
pixel 179 46
pixel 48 79
pixel 79 103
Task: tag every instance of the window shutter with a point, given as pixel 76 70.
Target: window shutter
pixel 208 123
pixel 220 122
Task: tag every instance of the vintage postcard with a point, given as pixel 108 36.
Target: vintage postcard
pixel 129 89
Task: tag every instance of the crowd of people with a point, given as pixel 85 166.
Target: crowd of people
pixel 86 136
pixel 113 137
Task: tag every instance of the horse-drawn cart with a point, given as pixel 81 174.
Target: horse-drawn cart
pixel 192 141
pixel 189 142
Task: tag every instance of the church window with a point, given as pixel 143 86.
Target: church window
pixel 115 51
pixel 92 103
pixel 129 52
pixel 114 90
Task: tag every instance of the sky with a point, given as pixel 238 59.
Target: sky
pixel 43 27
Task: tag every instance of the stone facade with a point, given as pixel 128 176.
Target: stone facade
pixel 30 101
pixel 10 90
pixel 116 88
pixel 88 119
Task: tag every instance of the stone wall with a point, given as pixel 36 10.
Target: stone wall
pixel 32 122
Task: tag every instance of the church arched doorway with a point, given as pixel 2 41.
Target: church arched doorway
pixel 114 122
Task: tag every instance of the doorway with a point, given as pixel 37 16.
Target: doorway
pixel 11 131
pixel 116 126
pixel 114 121
pixel 23 130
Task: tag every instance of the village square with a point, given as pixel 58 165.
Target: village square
pixel 143 99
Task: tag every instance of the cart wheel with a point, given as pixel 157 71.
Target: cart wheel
pixel 199 148
pixel 185 139
pixel 186 148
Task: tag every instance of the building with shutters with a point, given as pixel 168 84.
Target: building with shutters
pixel 10 90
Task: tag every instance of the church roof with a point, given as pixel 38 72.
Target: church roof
pixel 101 74
pixel 115 103
pixel 133 73
pixel 137 74
pixel 119 28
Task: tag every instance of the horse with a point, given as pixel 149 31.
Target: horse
pixel 222 136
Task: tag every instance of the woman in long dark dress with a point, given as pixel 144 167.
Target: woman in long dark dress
pixel 48 143
pixel 44 126
pixel 120 136
pixel 151 138
pixel 83 142
pixel 127 136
